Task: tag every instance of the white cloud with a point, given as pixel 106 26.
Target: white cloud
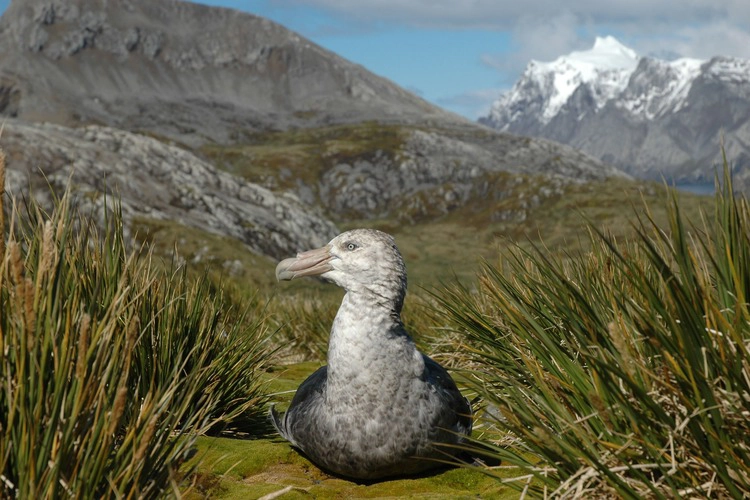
pixel 544 39
pixel 540 38
pixel 545 29
pixel 718 38
pixel 504 14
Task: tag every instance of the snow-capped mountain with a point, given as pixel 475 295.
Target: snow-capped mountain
pixel 605 70
pixel 650 117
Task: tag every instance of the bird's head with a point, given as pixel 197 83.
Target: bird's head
pixel 362 261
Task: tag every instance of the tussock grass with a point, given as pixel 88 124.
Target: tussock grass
pixel 302 319
pixel 623 371
pixel 110 368
pixel 303 323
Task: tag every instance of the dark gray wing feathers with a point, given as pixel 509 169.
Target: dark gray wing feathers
pixel 444 384
pixel 310 390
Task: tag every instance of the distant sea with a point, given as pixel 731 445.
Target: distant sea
pixel 701 188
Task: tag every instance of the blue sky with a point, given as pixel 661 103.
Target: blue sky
pixel 440 64
pixel 461 54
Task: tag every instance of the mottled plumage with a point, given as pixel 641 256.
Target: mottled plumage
pixel 380 405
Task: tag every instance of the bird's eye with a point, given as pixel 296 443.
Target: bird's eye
pixel 351 246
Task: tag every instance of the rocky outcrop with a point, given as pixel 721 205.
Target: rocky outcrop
pixel 155 180
pixel 431 172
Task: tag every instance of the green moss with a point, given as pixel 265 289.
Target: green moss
pixel 236 468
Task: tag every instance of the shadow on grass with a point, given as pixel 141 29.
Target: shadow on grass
pixel 258 426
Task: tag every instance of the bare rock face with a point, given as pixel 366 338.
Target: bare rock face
pixel 437 171
pixel 157 181
pixel 187 71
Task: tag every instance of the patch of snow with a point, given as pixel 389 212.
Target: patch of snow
pixel 646 88
pixel 606 68
pixel 729 69
pixel 665 91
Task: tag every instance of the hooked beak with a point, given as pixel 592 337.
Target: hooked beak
pixel 309 263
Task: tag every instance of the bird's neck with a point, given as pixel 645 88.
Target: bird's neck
pixel 367 337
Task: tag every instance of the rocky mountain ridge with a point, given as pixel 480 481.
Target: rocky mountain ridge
pixel 182 70
pixel 649 117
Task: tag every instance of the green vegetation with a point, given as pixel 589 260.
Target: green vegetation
pixel 250 469
pixel 110 369
pixel 624 370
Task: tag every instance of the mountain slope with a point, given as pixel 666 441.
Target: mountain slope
pixel 404 172
pixel 179 69
pixel 652 118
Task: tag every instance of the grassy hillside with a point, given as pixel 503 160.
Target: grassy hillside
pixel 449 248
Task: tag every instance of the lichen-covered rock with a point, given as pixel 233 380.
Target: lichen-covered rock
pixel 158 181
pixel 436 171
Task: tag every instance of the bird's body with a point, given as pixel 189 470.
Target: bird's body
pixel 380 407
